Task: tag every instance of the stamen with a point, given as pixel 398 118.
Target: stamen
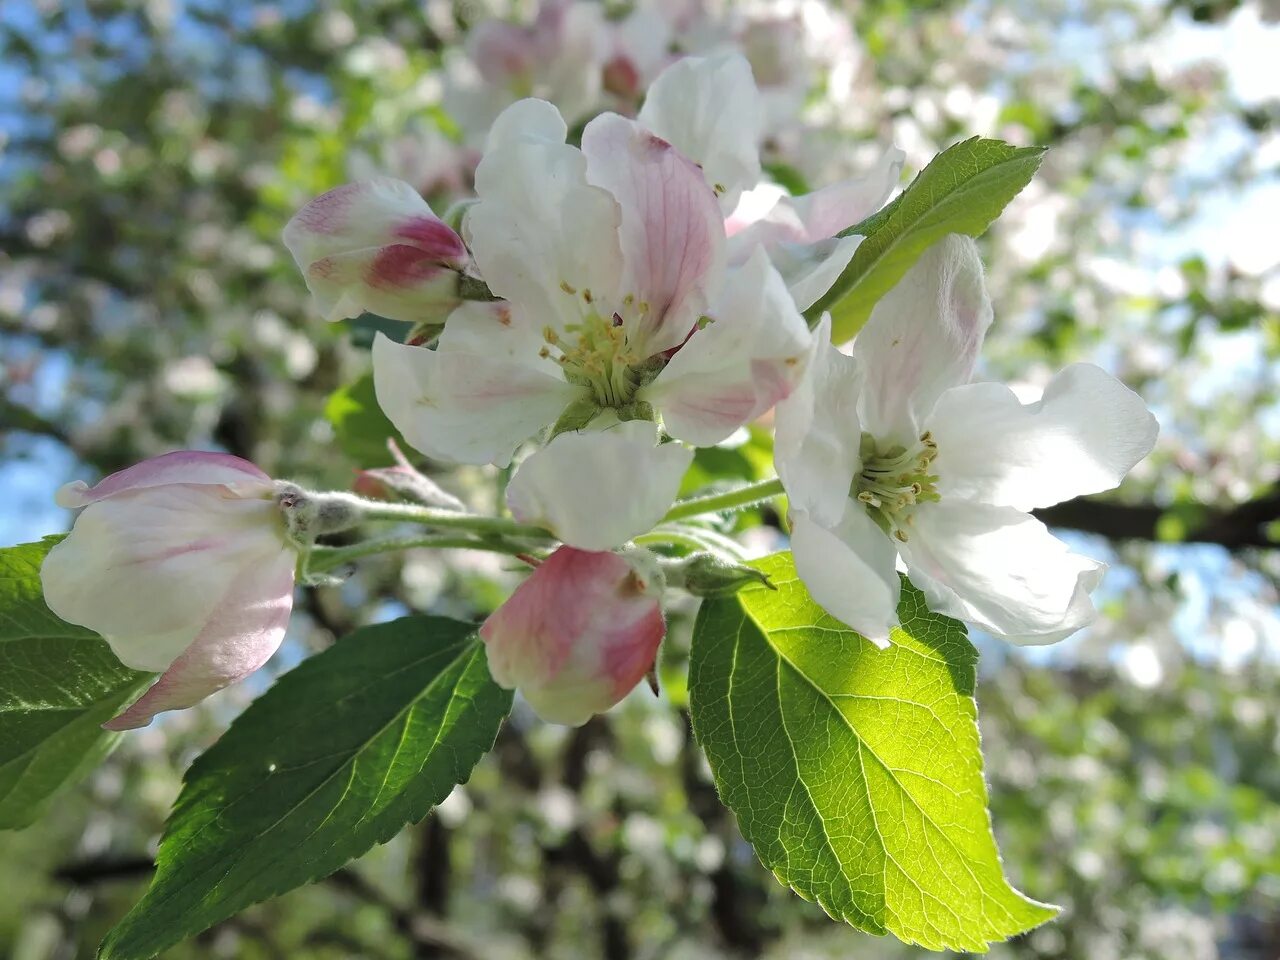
pixel 894 479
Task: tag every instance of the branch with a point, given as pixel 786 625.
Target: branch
pixel 1237 527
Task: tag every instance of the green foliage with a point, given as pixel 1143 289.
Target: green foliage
pixel 962 190
pixel 58 684
pixel 361 427
pixel 338 756
pixel 855 772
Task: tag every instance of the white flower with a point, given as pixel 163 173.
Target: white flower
pixel 180 562
pixel 892 452
pixel 611 260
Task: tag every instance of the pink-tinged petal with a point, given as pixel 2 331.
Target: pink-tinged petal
pixel 244 630
pixel 800 233
pixel 849 569
pixel 672 232
pixel 817 437
pixel 181 466
pixel 397 281
pixel 576 636
pixel 735 368
pixel 542 236
pixel 1081 437
pixel 1000 570
pixel 375 245
pixel 711 110
pixel 502 52
pixel 922 339
pixel 462 406
pixel 145 568
pixel 599 488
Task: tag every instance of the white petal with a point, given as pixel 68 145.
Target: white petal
pixel 710 109
pixel 542 236
pixel 597 489
pixel 810 270
pixel 738 366
pixel 799 233
pixel 1081 437
pixel 849 569
pixel 824 213
pixel 527 121
pixel 817 433
pixel 464 407
pixel 145 569
pixel 923 338
pixel 244 629
pixel 1000 570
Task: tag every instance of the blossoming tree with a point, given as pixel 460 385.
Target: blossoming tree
pixel 615 297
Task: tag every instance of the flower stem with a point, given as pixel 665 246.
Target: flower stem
pixel 323 559
pixel 450 520
pixel 729 500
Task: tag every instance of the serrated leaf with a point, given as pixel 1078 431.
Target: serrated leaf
pixel 962 190
pixel 58 684
pixel 361 428
pixel 855 772
pixel 337 756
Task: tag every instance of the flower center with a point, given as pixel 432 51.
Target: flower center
pixel 594 352
pixel 893 480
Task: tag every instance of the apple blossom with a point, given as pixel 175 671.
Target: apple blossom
pixel 892 453
pixel 559 57
pixel 611 260
pixel 579 633
pixel 375 245
pixel 182 564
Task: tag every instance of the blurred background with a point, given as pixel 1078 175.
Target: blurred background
pixel 152 150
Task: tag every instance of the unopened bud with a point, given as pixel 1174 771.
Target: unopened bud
pixel 706 575
pixel 310 515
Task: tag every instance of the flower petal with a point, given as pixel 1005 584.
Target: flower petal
pixel 710 109
pixel 818 437
pixel 462 406
pixel 597 489
pixel 178 546
pixel 542 236
pixel 577 635
pixel 799 233
pixel 181 466
pixel 738 366
pixel 244 630
pixel 375 245
pixel 923 338
pixel 672 232
pixel 849 569
pixel 1081 437
pixel 1000 570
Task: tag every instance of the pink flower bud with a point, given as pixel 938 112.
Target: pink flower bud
pixel 577 635
pixel 375 245
pixel 181 564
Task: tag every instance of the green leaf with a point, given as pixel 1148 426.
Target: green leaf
pixel 360 425
pixel 855 772
pixel 58 684
pixel 962 190
pixel 337 756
